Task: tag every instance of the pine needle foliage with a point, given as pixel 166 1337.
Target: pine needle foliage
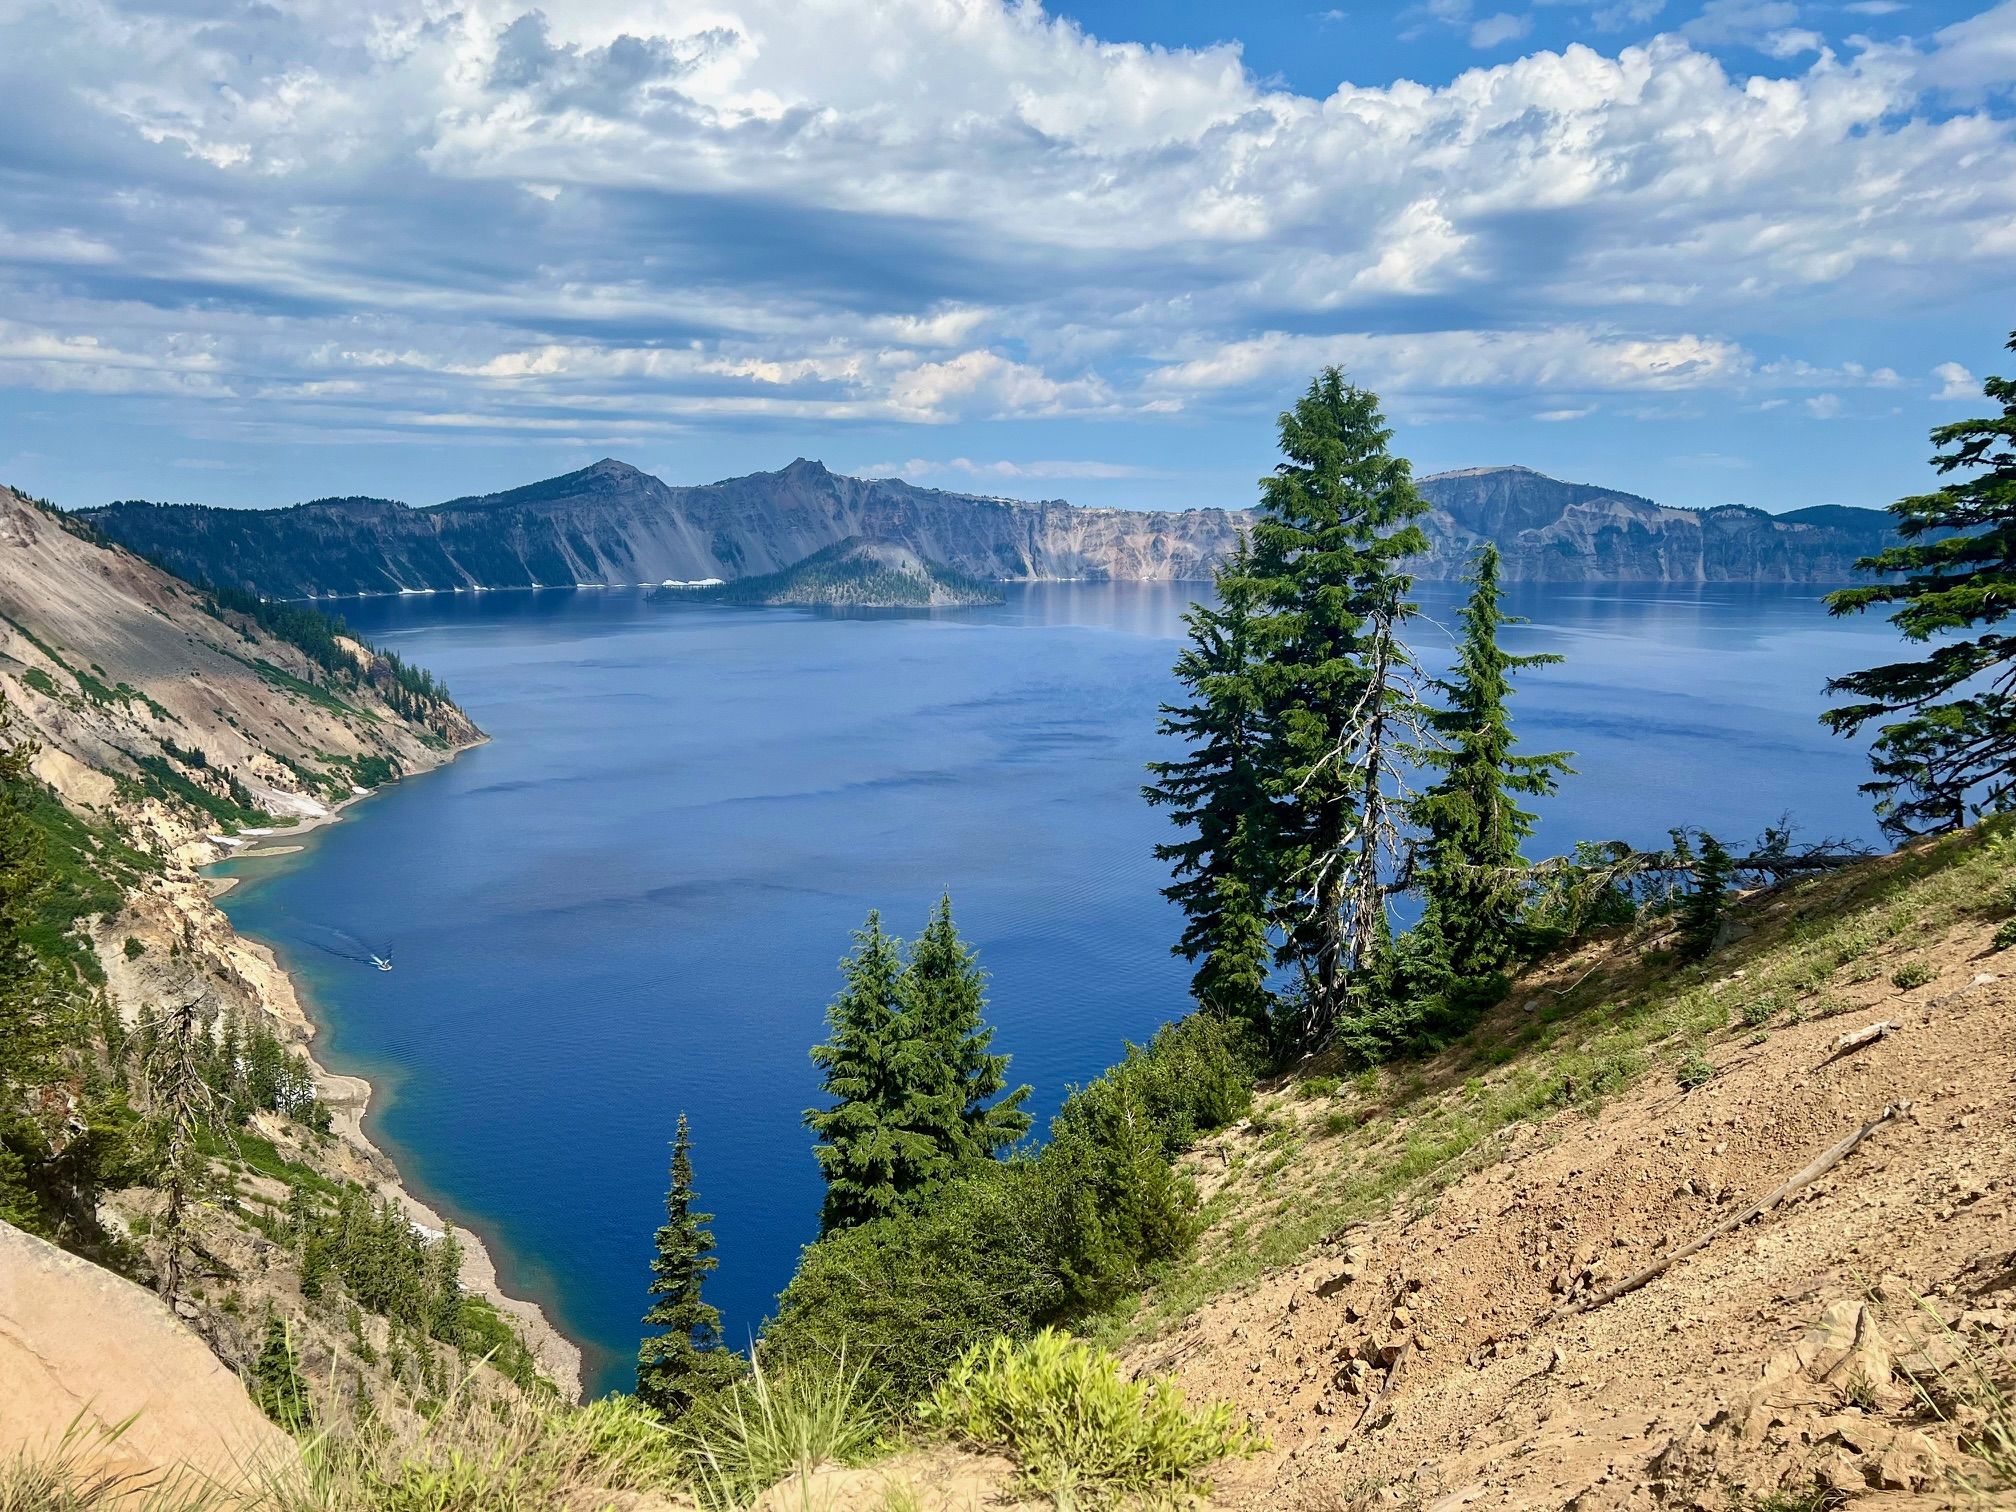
pixel 684 1359
pixel 1218 794
pixel 1945 746
pixel 916 1087
pixel 1473 876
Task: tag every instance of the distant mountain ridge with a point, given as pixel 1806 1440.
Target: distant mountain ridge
pixel 612 524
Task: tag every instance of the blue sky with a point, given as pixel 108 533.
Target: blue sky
pixel 253 251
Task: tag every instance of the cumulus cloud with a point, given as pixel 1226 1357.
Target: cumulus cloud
pixel 1955 382
pixel 598 218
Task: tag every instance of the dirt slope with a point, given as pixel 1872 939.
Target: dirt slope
pixel 1410 1360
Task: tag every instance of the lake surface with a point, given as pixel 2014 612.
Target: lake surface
pixel 631 901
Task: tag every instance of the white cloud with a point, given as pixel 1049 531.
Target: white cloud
pixel 1824 406
pixel 1565 360
pixel 405 213
pixel 919 468
pixel 1497 30
pixel 1955 382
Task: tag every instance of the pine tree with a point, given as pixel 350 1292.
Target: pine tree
pixel 685 1359
pixel 1702 906
pixel 276 1378
pixel 182 1103
pixel 956 1081
pixel 872 1158
pixel 1473 872
pixel 1329 599
pixel 25 1042
pixel 444 1288
pixel 1218 792
pixel 1948 749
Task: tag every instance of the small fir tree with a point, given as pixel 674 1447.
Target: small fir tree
pixel 1218 793
pixel 955 1079
pixel 1473 873
pixel 277 1385
pixel 685 1359
pixel 873 1158
pixel 1703 904
pixel 1946 747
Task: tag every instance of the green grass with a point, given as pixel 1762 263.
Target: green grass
pixel 774 1425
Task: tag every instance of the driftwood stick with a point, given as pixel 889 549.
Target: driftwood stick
pixel 1805 1176
pixel 1855 1039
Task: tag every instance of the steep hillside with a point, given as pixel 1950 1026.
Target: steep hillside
pixel 143 690
pixel 1404 1276
pixel 153 1076
pixel 612 524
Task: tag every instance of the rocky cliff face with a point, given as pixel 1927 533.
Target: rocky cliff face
pixel 612 524
pixel 1550 531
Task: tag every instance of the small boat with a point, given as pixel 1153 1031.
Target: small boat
pixel 381 963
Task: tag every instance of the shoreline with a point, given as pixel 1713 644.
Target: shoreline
pixel 349 1098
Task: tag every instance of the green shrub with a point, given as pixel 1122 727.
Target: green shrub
pixel 1110 1203
pixel 134 949
pixel 1079 1429
pixel 2005 937
pixel 1318 1086
pixel 1759 1011
pixel 906 1295
pixel 1911 974
pixel 1695 1071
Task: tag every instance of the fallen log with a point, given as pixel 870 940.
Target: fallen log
pixel 1855 1039
pixel 1819 1166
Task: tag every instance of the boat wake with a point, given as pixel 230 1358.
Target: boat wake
pixel 343 945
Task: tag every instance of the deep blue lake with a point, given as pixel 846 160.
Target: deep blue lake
pixel 631 901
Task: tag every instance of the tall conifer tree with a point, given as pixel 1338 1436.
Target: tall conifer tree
pixel 872 1157
pixel 686 1358
pixel 1473 872
pixel 956 1080
pixel 1947 748
pixel 1218 792
pixel 1329 592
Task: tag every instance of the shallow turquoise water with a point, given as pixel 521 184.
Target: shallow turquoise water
pixel 630 902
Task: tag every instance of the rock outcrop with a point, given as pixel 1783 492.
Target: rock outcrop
pixel 611 524
pixel 83 1352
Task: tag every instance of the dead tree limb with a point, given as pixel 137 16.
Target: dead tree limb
pixel 1804 1177
pixel 1849 1043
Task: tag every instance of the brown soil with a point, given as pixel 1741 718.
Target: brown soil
pixel 1413 1360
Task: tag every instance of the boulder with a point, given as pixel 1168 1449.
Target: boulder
pixel 83 1351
